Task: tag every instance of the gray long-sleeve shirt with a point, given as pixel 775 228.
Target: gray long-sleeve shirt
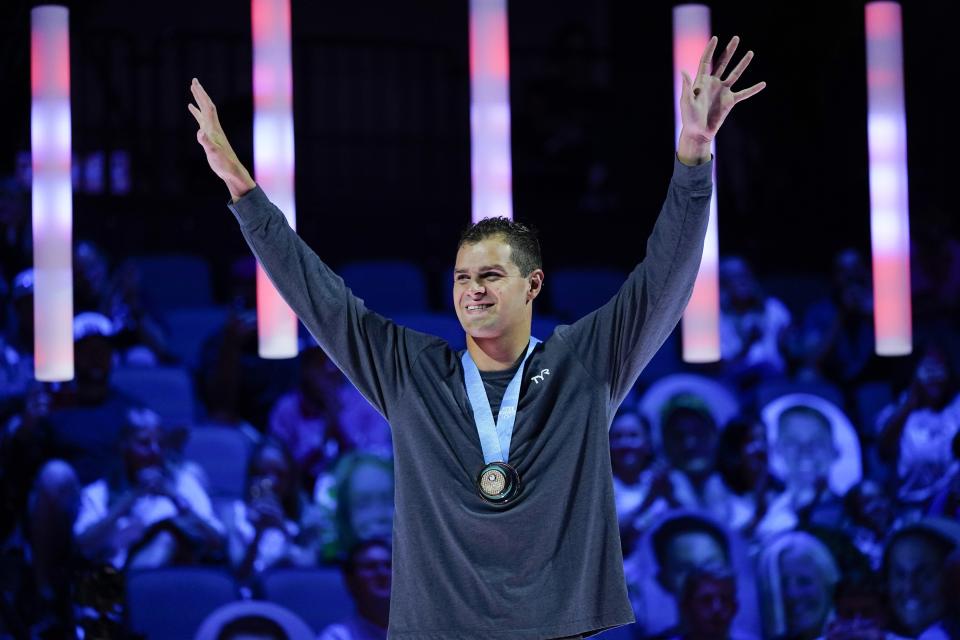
pixel 550 564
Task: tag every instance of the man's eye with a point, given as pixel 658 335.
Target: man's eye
pixel 491 276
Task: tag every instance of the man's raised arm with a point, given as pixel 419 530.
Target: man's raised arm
pixel 617 340
pixel 373 352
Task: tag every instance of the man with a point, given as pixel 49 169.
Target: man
pixel 512 533
pixel 366 572
pixel 708 604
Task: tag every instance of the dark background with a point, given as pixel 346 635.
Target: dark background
pixel 381 93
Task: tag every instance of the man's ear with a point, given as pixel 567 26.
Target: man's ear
pixel 535 280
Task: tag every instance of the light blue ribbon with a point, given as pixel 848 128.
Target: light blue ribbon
pixel 495 436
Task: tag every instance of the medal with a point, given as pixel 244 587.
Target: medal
pixel 498 483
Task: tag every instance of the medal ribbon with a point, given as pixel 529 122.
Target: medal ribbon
pixel 494 435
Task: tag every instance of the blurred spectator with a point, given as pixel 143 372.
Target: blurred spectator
pixel 140 334
pixel 837 333
pixel 860 610
pixel 743 464
pixel 805 442
pixel 88 414
pixel 914 570
pixel 684 542
pixel 16 343
pixel 366 571
pixel 916 432
pixel 237 386
pixel 707 604
pixel 947 502
pixel 934 269
pixel 305 420
pixel 16 240
pixel 797 578
pixel 361 426
pixel 690 436
pixel 40 564
pixel 91 278
pixel 263 529
pixel 253 628
pixel 641 484
pixel 752 326
pixel 364 501
pixel 949 626
pixel 869 519
pixel 149 513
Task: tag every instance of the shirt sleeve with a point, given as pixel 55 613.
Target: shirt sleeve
pixel 617 340
pixel 374 353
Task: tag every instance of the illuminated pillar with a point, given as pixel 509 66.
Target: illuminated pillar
pixel 50 146
pixel 701 319
pixel 490 110
pixel 889 210
pixel 273 157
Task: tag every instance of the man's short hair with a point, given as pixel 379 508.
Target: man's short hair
pixel 523 242
pixel 680 525
pixel 253 624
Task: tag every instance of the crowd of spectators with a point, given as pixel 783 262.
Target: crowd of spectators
pixel 800 488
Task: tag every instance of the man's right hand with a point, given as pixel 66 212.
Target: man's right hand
pixel 220 154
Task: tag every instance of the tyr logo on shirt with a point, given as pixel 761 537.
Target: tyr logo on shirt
pixel 539 377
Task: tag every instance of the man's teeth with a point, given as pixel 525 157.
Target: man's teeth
pixel 477 307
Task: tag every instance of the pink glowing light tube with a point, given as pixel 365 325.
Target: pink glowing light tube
pixel 50 144
pixel 889 211
pixel 490 110
pixel 273 157
pixel 701 319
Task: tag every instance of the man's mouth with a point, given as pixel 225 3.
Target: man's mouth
pixel 478 308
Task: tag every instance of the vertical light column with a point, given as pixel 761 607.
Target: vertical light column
pixel 273 157
pixel 701 319
pixel 889 210
pixel 50 146
pixel 490 110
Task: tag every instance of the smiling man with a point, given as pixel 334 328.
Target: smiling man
pixel 505 523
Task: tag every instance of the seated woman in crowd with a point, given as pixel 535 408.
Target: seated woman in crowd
pixel 306 419
pixel 743 464
pixel 641 483
pixel 917 431
pixel 797 576
pixel 263 529
pixel 150 513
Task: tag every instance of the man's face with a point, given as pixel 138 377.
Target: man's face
pixel 914 581
pixel 688 551
pixel 806 595
pixel 630 447
pixel 709 610
pixel 690 441
pixel 370 578
pixel 491 296
pixel 144 449
pixel 807 448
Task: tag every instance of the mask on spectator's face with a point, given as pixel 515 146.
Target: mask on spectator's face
pixel 806 594
pixel 914 581
pixel 686 552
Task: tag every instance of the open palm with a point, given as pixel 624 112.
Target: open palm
pixel 707 99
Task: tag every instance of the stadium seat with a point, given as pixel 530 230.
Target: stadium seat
pixel 772 389
pixel 175 281
pixel 166 390
pixel 387 286
pixel 222 453
pixel 301 590
pixel 573 293
pixel 170 603
pixel 190 328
